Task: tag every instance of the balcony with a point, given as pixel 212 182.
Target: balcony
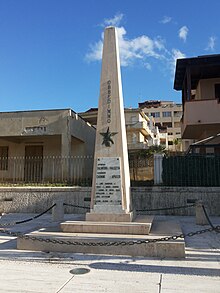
pixel 138 146
pixel 140 126
pixel 201 119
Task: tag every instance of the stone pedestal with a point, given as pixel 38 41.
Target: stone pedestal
pixel 110 217
pixel 141 226
pixel 58 210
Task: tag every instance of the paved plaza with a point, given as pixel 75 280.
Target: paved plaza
pixel 26 271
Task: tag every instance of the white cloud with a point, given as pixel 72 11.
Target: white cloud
pixel 142 49
pixel 211 44
pixel 147 66
pixel 166 19
pixel 115 21
pixel 183 32
pixel 95 52
pixel 175 54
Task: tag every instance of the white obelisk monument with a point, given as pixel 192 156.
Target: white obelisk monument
pixel 111 200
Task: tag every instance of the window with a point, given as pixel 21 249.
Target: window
pixel 170 142
pixel 217 91
pixel 167 114
pixel 3 158
pixel 177 124
pixel 170 133
pixel 177 113
pixel 167 124
pixel 134 138
pixel 133 119
pixel 156 114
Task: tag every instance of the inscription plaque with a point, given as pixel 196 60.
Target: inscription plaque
pixel 108 182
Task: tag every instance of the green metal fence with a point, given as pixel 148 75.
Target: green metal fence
pixel 191 170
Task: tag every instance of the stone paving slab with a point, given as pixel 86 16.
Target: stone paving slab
pixel 28 271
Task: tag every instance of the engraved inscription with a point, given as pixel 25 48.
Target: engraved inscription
pixel 108 182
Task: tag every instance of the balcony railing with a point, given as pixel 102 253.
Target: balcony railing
pixel 142 126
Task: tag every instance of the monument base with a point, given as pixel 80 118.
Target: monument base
pixel 105 217
pixel 172 248
pixel 141 226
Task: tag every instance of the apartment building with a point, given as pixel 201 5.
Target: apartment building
pixel 198 79
pixel 167 116
pixel 140 129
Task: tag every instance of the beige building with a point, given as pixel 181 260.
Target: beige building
pixel 140 129
pixel 42 134
pixel 167 115
pixel 199 80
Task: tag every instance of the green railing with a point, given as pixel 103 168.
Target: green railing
pixel 191 170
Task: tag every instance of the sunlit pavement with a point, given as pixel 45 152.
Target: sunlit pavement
pixel 26 271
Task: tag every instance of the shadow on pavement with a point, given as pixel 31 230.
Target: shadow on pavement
pixel 156 269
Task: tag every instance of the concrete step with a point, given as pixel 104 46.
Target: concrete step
pixel 165 249
pixel 141 226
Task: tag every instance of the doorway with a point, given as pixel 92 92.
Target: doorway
pixel 33 167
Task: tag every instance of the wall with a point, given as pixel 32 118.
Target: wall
pixel 36 199
pixel 200 115
pixel 84 132
pixel 205 89
pixel 41 127
pixel 162 196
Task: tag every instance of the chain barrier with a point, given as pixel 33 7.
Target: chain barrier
pixel 106 243
pixel 27 220
pixel 208 219
pixel 76 206
pixel 165 209
pixel 143 210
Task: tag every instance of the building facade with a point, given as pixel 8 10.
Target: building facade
pixel 167 116
pixel 198 79
pixel 140 129
pixel 33 138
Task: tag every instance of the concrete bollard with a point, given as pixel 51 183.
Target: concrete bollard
pixel 200 215
pixel 158 168
pixel 58 211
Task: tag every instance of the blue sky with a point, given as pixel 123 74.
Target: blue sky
pixel 50 50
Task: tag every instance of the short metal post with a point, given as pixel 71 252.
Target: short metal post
pixel 200 215
pixel 58 210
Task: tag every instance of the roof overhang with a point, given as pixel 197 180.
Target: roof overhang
pixel 201 67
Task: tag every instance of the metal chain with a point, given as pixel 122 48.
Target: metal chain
pixel 108 243
pixel 208 219
pixel 76 206
pixel 27 220
pixel 143 210
pixel 165 209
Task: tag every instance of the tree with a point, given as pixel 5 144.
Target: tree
pixel 154 149
pixel 143 158
pixel 177 142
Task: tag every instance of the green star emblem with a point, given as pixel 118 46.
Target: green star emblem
pixel 107 137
